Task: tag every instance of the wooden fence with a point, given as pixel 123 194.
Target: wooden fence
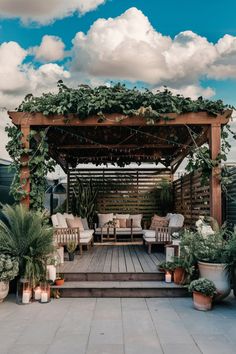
pixel 191 198
pixel 123 190
pixel 230 198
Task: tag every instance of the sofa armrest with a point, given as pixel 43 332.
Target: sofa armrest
pixel 63 235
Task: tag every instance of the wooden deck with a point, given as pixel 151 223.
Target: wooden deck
pixel 124 258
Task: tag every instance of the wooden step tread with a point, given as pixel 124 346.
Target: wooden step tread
pixel 118 284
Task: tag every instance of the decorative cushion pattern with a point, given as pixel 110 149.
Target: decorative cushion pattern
pixel 158 221
pixel 104 218
pixel 76 222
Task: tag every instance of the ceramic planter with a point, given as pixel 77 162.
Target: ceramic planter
pixel 59 282
pixel 179 275
pixel 202 302
pixel 218 274
pixel 4 289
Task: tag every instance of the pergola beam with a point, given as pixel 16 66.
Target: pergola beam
pixel 115 146
pixel 38 119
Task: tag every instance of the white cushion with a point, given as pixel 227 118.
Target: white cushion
pixel 150 239
pixel 176 220
pixel 85 223
pixel 61 220
pixel 119 231
pixel 85 234
pixel 149 233
pixel 121 216
pixel 137 219
pixel 86 239
pixel 104 218
pixel 55 222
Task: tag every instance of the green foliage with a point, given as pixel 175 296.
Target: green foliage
pixel 203 286
pixel 9 267
pixel 39 164
pixel 165 196
pixel 71 246
pixel 167 266
pixel 25 236
pixel 211 248
pixel 84 199
pixel 84 101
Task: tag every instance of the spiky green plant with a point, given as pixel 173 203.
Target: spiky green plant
pixel 84 199
pixel 25 235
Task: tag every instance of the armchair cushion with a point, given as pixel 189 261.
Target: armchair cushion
pixel 137 218
pixel 104 218
pixel 76 222
pixel 61 220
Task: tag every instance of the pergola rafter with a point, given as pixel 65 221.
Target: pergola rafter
pixel 118 138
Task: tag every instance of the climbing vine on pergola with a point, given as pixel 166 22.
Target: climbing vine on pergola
pixel 113 125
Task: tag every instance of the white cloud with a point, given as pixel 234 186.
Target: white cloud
pixel 45 11
pixel 192 91
pixel 128 47
pixel 50 49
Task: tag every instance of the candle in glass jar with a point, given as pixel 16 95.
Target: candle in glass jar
pixel 168 277
pixel 44 296
pixel 37 293
pixel 26 296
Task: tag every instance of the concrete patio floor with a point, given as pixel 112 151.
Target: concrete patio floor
pixel 115 326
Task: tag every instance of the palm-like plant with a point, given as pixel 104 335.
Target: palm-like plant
pixel 25 235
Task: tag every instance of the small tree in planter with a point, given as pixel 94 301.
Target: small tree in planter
pixel 9 269
pixel 71 248
pixel 203 291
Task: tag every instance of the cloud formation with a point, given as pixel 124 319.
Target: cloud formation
pixel 51 49
pixel 45 11
pixel 128 47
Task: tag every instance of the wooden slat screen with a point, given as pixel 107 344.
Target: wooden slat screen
pixel 191 198
pixel 124 190
pixel 231 197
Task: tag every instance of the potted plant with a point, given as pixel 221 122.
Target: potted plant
pixel 203 291
pixel 26 236
pixel 231 259
pixel 182 270
pixel 209 253
pixel 71 248
pixel 59 280
pixel 9 268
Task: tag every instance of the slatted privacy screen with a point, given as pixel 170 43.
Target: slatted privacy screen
pixel 191 198
pixel 231 197
pixel 123 190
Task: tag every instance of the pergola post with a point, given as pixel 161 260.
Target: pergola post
pixel 25 172
pixel 215 186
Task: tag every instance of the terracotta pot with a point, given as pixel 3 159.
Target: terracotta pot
pixel 179 275
pixel 59 282
pixel 4 289
pixel 216 272
pixel 202 302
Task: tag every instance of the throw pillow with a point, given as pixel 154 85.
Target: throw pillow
pixel 122 223
pixel 85 223
pixel 104 218
pixel 116 223
pixel 76 222
pixel 121 216
pixel 61 220
pixel 137 218
pixel 158 221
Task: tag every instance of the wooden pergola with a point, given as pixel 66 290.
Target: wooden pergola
pixel 119 138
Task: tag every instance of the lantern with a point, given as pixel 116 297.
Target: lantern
pixel 24 292
pixel 45 292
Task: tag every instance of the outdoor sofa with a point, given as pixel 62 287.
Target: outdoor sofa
pixel 113 226
pixel 67 227
pixel 161 230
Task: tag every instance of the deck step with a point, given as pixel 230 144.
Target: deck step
pixel 120 289
pixel 97 276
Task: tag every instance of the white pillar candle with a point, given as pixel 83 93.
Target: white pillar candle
pixel 168 277
pixel 26 296
pixel 52 272
pixel 37 293
pixel 44 296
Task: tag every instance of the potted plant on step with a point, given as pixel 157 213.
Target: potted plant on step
pixel 209 254
pixel 71 248
pixel 59 280
pixel 9 268
pixel 203 291
pixel 182 270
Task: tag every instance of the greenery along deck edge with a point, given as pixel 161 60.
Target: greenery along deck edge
pixel 85 101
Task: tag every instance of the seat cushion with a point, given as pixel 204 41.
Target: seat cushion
pixel 149 233
pixel 86 240
pixel 119 231
pixel 85 234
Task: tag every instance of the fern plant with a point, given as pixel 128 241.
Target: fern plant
pixel 26 236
